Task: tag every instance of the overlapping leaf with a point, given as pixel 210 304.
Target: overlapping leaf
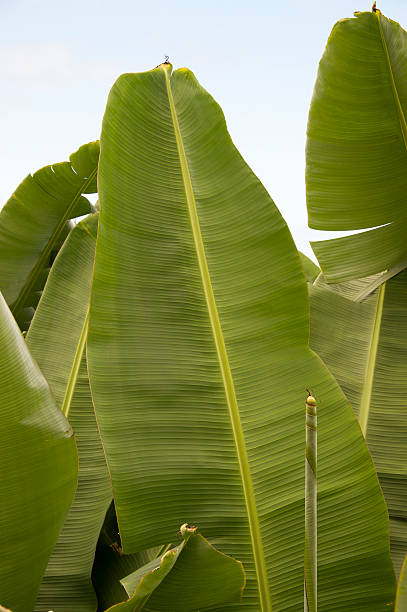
pixel 56 338
pixel 357 148
pixel 364 344
pixel 311 270
pixel 198 358
pixel 38 469
pixel 34 223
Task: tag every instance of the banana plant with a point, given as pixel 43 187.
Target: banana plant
pixel 56 339
pixel 198 360
pixel 364 344
pixel 38 469
pixel 34 223
pixel 356 151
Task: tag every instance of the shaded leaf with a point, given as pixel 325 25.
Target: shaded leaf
pixel 192 576
pixel 110 565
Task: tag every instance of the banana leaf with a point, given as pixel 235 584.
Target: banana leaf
pixel 364 344
pixel 356 148
pixel 192 576
pixel 38 469
pixel 198 360
pixel 34 223
pixel 56 339
pixel 401 597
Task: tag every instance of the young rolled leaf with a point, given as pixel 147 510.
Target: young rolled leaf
pixel 198 359
pixel 56 339
pixel 357 147
pixel 364 344
pixel 192 576
pixel 33 224
pixel 38 469
pixel 401 595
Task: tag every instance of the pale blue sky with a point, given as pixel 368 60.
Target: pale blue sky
pixel 257 58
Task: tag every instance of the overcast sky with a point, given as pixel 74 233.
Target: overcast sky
pixel 257 58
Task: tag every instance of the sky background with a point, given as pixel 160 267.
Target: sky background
pixel 259 58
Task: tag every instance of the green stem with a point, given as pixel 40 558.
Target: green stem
pixel 310 543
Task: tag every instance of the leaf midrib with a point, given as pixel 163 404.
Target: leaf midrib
pixel 257 545
pixel 366 397
pixel 400 113
pixel 33 276
pixel 73 375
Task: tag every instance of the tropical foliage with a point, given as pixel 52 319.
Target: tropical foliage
pixel 357 144
pixel 167 334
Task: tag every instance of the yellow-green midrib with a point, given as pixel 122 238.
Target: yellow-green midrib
pixel 253 520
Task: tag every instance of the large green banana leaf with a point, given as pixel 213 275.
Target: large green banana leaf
pixel 38 469
pixel 199 361
pixel 56 339
pixel 192 576
pixel 356 148
pixel 33 223
pixel 364 344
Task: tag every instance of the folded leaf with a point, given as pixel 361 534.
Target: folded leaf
pixel 38 469
pixel 198 359
pixel 56 339
pixel 110 567
pixel 33 224
pixel 357 147
pixel 192 576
